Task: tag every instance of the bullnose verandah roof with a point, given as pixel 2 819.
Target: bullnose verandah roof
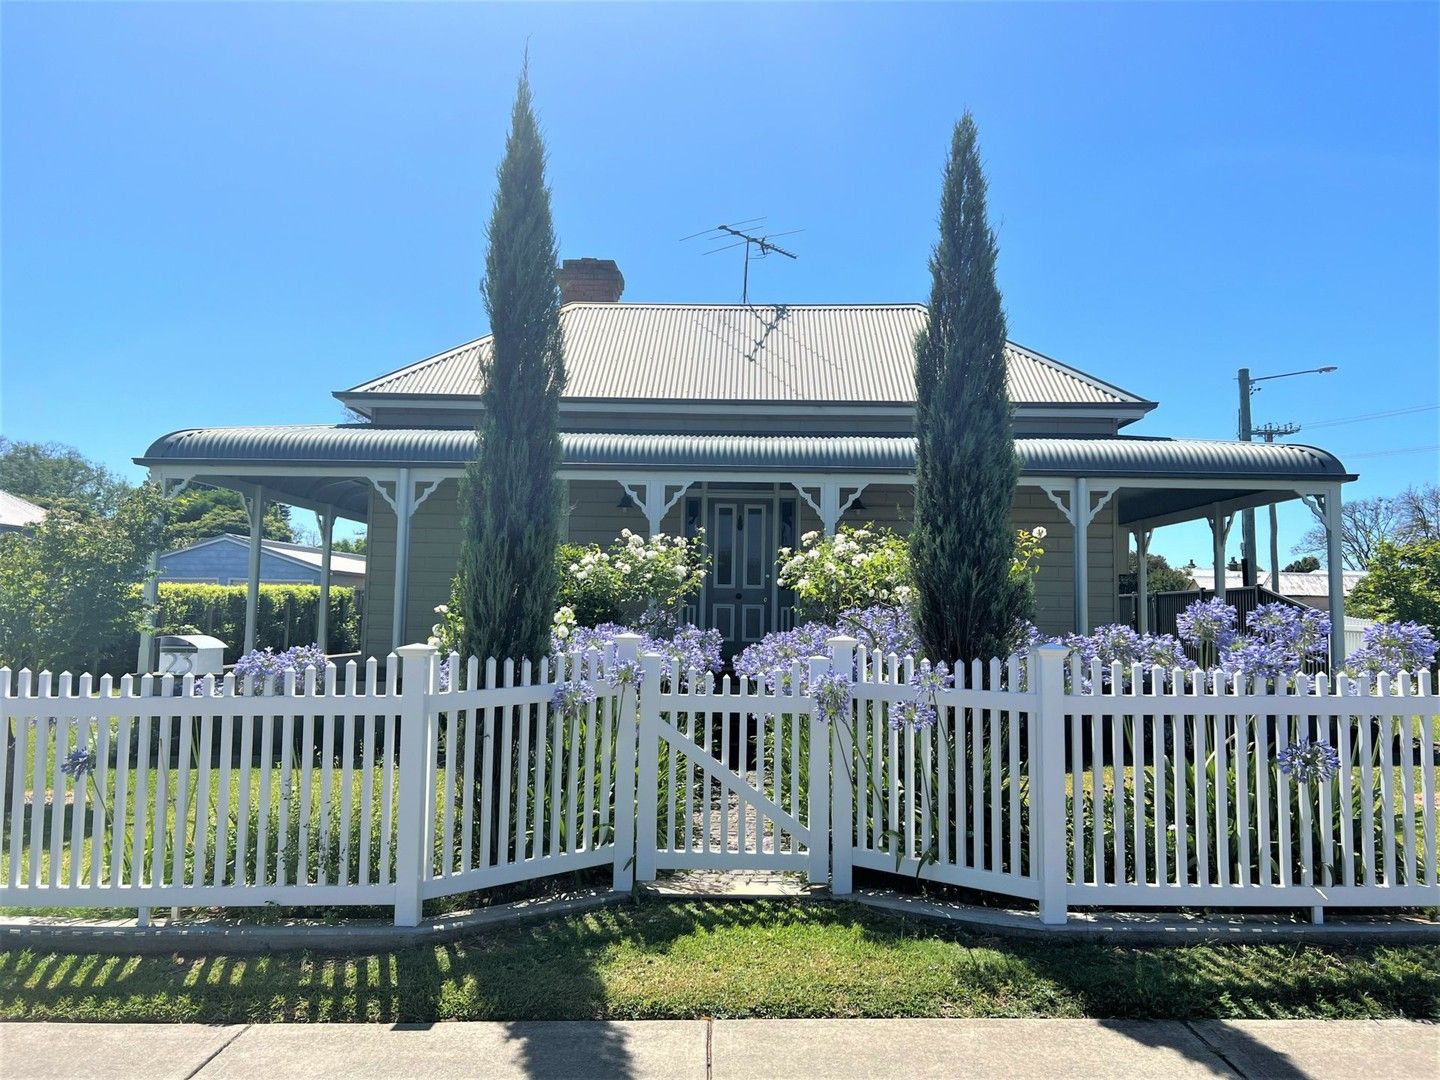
pixel 332 451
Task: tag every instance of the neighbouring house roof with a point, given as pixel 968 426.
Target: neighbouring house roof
pixel 330 449
pixel 1315 583
pixel 17 513
pixel 854 353
pixel 341 562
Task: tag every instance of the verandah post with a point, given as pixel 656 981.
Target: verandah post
pixel 842 795
pixel 818 774
pixel 628 702
pixel 648 775
pixel 1047 786
pixel 417 675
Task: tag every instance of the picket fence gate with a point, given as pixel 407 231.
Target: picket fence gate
pixel 1031 778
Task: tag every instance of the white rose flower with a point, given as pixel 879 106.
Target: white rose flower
pixel 625 534
pixel 1039 532
pixel 562 632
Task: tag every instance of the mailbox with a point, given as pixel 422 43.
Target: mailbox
pixel 186 654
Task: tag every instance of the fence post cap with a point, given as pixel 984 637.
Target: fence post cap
pixel 630 636
pixel 1052 648
pixel 417 649
pixel 842 639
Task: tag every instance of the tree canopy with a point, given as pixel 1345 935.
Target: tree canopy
pixel 1306 565
pixel 511 498
pixel 1403 584
pixel 962 546
pixel 199 513
pixel 1412 515
pixel 57 476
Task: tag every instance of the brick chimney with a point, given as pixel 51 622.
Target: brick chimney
pixel 595 281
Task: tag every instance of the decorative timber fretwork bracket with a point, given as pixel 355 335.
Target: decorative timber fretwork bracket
pixel 830 501
pixel 656 497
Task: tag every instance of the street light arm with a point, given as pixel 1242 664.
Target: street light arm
pixel 1285 375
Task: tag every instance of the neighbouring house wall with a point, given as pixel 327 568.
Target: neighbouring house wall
pixel 595 517
pixel 226 563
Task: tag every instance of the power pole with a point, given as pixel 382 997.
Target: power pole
pixel 1269 432
pixel 1246 434
pixel 1247 518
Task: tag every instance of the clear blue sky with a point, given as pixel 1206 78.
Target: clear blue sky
pixel 219 214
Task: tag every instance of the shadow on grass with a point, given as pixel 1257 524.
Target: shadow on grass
pixel 691 959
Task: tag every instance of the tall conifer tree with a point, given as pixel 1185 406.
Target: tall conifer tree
pixel 963 542
pixel 511 497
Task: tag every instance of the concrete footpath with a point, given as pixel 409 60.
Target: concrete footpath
pixel 743 1049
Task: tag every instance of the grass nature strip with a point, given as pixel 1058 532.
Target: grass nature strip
pixel 663 960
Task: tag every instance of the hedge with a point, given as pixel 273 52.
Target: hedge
pixel 286 615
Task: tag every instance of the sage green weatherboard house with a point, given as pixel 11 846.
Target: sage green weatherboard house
pixel 756 422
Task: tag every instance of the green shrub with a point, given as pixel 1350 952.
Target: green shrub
pixel 286 615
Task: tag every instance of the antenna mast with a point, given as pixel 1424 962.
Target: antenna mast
pixel 756 247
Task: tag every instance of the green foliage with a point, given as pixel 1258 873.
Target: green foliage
pixel 199 513
pixel 355 546
pixel 634 575
pixel 511 499
pixel 855 568
pixel 56 476
pixel 1160 576
pixel 962 544
pixel 1305 565
pixel 1403 584
pixel 69 590
pixel 286 616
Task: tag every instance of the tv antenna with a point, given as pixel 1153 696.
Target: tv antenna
pixel 756 246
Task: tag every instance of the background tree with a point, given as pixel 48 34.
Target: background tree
pixel 68 589
pixel 962 545
pixel 199 513
pixel 1403 584
pixel 511 497
pixel 1420 512
pixel 354 545
pixel 1307 564
pixel 1160 576
pixel 53 475
pixel 1364 523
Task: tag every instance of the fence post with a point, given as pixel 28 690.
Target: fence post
pixel 648 775
pixel 818 773
pixel 627 651
pixel 417 674
pixel 1048 805
pixel 842 758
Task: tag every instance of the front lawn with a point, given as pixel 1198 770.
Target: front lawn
pixel 676 960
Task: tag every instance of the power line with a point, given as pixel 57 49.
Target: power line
pixel 1400 450
pixel 1371 416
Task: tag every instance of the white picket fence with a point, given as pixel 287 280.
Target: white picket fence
pixel 1069 788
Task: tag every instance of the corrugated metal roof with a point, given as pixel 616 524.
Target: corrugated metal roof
pixel 1096 456
pixel 697 352
pixel 18 513
pixel 1315 583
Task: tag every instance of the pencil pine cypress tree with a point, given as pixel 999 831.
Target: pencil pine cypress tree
pixel 963 542
pixel 511 497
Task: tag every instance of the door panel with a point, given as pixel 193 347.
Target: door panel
pixel 742 567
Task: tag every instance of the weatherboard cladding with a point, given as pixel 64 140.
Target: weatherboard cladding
pixel 1099 456
pixel 850 353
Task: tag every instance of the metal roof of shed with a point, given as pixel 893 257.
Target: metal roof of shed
pixel 856 353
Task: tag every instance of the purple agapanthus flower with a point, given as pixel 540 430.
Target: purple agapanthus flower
pixel 1207 622
pixel 1392 648
pixel 572 695
pixel 79 762
pixel 1308 761
pixel 833 692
